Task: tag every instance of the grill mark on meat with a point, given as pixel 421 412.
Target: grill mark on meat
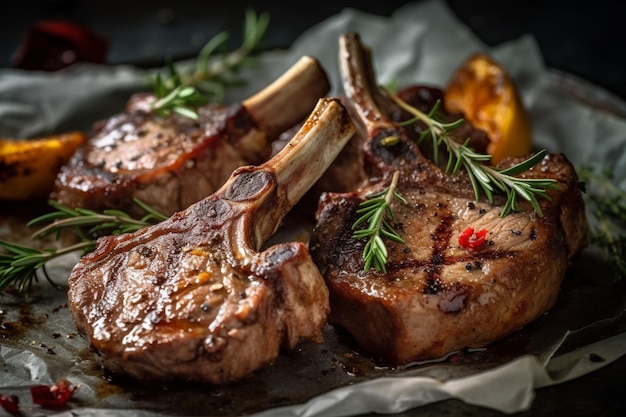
pixel 441 240
pixel 471 260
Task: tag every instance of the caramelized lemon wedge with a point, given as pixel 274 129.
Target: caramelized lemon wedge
pixel 28 168
pixel 487 97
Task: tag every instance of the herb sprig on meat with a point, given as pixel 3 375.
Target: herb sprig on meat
pixel 376 211
pixel 183 89
pixel 485 179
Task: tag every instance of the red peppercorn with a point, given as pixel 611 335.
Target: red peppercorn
pixel 53 395
pixel 469 239
pixel 10 403
pixel 51 45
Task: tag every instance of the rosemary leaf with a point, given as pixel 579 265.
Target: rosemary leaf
pixel 20 264
pixel 183 92
pixel 485 179
pixel 376 211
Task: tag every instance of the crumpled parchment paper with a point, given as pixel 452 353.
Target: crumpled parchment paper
pixel 421 43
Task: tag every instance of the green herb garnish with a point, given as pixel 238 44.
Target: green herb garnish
pixel 486 179
pixel 605 204
pixel 183 90
pixel 20 264
pixel 376 211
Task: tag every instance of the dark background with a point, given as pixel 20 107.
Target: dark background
pixel 585 39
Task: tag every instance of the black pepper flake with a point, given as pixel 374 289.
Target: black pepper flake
pixel 145 251
pixel 533 234
pixel 471 266
pixel 482 211
pixel 471 205
pixel 516 232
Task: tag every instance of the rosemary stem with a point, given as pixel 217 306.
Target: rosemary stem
pixel 436 127
pixel 392 186
pixel 95 219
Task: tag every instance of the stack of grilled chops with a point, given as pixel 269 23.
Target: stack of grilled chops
pixel 201 297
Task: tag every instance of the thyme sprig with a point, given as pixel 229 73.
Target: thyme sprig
pixel 485 179
pixel 376 211
pixel 184 89
pixel 20 264
pixel 605 204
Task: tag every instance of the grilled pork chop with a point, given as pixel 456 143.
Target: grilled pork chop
pixel 172 162
pixel 194 297
pixel 441 293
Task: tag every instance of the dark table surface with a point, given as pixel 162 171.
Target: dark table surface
pixel 585 39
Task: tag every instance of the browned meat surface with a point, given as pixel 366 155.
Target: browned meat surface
pixel 197 297
pixel 172 162
pixel 439 296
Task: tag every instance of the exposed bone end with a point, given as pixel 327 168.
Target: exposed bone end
pixel 290 98
pixel 313 148
pixel 359 80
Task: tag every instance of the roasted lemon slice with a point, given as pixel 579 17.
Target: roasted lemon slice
pixel 487 97
pixel 28 168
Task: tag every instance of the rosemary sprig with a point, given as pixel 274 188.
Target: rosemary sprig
pixel 605 204
pixel 19 265
pixel 185 89
pixel 485 179
pixel 376 211
pixel 111 222
pixel 176 99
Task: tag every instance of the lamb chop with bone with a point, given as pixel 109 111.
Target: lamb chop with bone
pixel 461 273
pixel 197 297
